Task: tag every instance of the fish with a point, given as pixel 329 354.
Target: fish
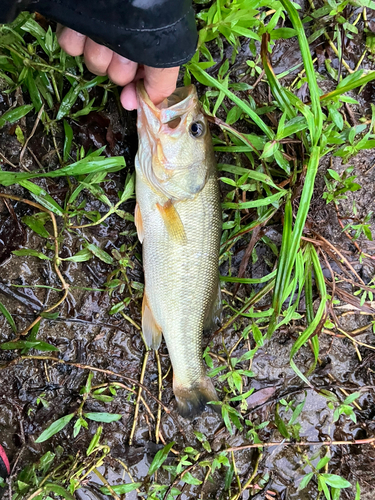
pixel 178 220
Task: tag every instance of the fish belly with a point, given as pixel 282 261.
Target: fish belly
pixel 181 280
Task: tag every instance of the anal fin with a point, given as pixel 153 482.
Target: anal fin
pixel 151 330
pixel 214 312
pixel 138 222
pixel 172 222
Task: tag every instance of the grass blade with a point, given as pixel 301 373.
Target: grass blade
pixel 197 70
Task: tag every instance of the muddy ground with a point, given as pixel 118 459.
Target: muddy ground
pixel 86 334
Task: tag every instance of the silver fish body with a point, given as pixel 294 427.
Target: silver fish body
pixel 178 219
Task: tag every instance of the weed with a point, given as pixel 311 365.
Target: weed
pixel 82 417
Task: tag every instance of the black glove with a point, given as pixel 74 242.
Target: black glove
pixel 157 33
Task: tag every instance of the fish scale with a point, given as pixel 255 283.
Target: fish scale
pixel 181 279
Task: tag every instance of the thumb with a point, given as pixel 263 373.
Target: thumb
pixel 160 82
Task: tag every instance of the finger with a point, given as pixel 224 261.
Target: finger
pixel 121 71
pixel 160 82
pixel 71 41
pixel 97 57
pixel 129 97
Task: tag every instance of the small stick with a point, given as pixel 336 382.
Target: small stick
pixel 360 61
pixel 104 481
pixel 65 286
pixel 204 482
pixel 160 386
pixel 138 398
pixel 35 158
pixel 7 161
pixel 93 368
pixel 32 132
pixel 344 259
pixel 250 480
pixel 302 443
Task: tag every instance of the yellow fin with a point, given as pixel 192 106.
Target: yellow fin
pixel 172 222
pixel 151 330
pixel 138 222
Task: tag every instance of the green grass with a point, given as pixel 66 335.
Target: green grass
pixel 276 149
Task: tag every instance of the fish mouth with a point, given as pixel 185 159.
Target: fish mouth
pixel 181 101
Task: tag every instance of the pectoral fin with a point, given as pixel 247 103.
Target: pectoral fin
pixel 138 222
pixel 172 222
pixel 151 330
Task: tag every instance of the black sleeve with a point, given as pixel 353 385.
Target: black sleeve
pixel 158 33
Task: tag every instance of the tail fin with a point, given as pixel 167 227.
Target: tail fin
pixel 191 401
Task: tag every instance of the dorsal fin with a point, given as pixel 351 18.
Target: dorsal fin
pixel 172 222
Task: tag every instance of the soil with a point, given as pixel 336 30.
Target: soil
pixel 86 334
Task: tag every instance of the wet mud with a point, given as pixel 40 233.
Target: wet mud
pixel 35 392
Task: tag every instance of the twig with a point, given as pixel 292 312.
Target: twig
pixel 360 60
pixel 235 471
pixel 265 290
pixel 351 114
pixel 138 398
pixel 106 483
pixel 7 161
pixel 35 158
pixel 225 126
pixel 56 259
pixel 340 255
pixel 255 237
pixel 302 443
pixel 250 480
pixel 160 386
pixel 355 340
pixel 32 132
pixel 204 483
pixel 93 368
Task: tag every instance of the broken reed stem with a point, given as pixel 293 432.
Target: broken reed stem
pixel 138 398
pixel 56 259
pixel 204 482
pixel 160 382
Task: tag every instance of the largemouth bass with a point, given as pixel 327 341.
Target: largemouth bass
pixel 178 220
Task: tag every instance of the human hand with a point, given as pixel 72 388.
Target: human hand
pixel 100 60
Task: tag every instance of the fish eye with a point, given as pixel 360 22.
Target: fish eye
pixel 197 129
